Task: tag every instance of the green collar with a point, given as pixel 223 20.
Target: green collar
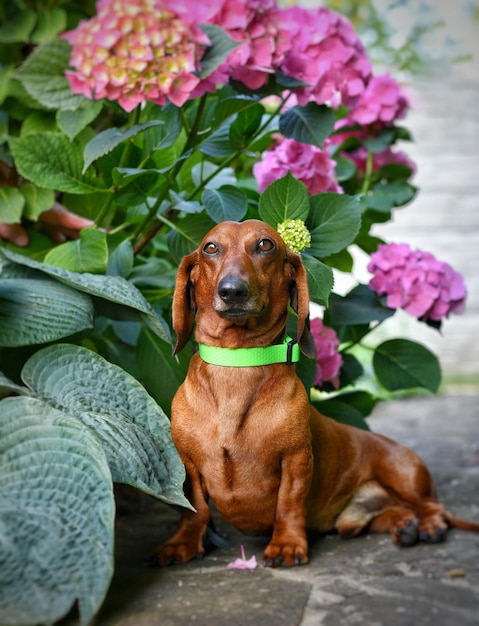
pixel 286 352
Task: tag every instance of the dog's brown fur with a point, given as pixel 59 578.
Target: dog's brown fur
pixel 248 436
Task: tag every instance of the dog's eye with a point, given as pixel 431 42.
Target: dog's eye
pixel 210 248
pixel 265 245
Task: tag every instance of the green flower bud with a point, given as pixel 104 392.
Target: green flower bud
pixel 295 234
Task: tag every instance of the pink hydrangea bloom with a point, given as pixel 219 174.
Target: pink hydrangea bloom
pixel 382 101
pixel 327 54
pixel 309 164
pixel 134 51
pixel 380 159
pixel 417 282
pixel 258 25
pixel 328 360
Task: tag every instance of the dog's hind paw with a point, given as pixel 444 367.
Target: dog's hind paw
pixel 406 532
pixel 284 555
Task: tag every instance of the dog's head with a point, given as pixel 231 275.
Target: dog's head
pixel 237 285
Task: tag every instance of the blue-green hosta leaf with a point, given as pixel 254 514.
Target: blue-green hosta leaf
pixel 109 139
pixel 88 253
pixel 285 199
pixel 56 515
pixel 122 298
pixel 50 159
pixel 403 364
pixel 133 430
pixel 7 386
pixel 38 311
pixel 310 124
pixel 42 75
pixel 334 222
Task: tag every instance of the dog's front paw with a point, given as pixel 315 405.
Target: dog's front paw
pixel 171 552
pixel 289 554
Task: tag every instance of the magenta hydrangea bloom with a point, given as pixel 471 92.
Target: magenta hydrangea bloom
pixel 328 360
pixel 134 51
pixel 381 159
pixel 382 101
pixel 309 164
pixel 417 282
pixel 327 54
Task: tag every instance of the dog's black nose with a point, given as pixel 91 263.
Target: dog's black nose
pixel 233 290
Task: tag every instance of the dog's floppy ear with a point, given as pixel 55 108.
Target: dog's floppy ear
pixel 184 304
pixel 299 294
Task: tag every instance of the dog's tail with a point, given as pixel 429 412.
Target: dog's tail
pixel 461 524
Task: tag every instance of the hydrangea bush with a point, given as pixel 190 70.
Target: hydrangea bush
pixel 129 129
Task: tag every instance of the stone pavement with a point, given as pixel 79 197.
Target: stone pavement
pixel 365 580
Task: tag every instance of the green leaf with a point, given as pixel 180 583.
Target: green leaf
pixel 226 203
pixel 221 45
pixel 341 412
pixel 320 279
pixel 11 205
pixel 57 510
pixel 384 196
pixel 109 139
pixel 89 253
pixel 334 222
pixel 125 301
pixel 311 124
pixel 42 75
pixel 50 24
pixel 19 28
pixel 50 160
pixel 73 122
pixel 131 427
pixel 37 200
pixel 245 125
pixel 361 305
pixel 190 231
pixel 154 356
pixel 39 311
pixel 218 144
pixel 8 387
pixel 403 364
pixel 285 199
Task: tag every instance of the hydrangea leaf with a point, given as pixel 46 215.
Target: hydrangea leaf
pixel 37 200
pixel 50 159
pixel 226 203
pixel 285 198
pixel 221 45
pixel 57 514
pixel 19 28
pixel 38 311
pixel 132 428
pixel 11 204
pixel 89 253
pixel 360 306
pixel 334 223
pixel 320 279
pixel 73 122
pixel 116 296
pixel 404 364
pixel 42 75
pixel 342 412
pixel 109 139
pixel 310 124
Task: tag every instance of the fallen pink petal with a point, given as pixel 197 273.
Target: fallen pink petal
pixel 243 562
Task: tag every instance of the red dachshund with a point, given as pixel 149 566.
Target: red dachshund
pixel 245 430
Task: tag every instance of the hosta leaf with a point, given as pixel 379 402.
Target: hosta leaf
pixel 50 159
pixel 56 515
pixel 89 253
pixel 285 199
pixel 320 279
pixel 133 430
pixel 109 139
pixel 43 76
pixel 122 298
pixel 38 311
pixel 403 364
pixel 310 124
pixel 226 203
pixel 334 222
